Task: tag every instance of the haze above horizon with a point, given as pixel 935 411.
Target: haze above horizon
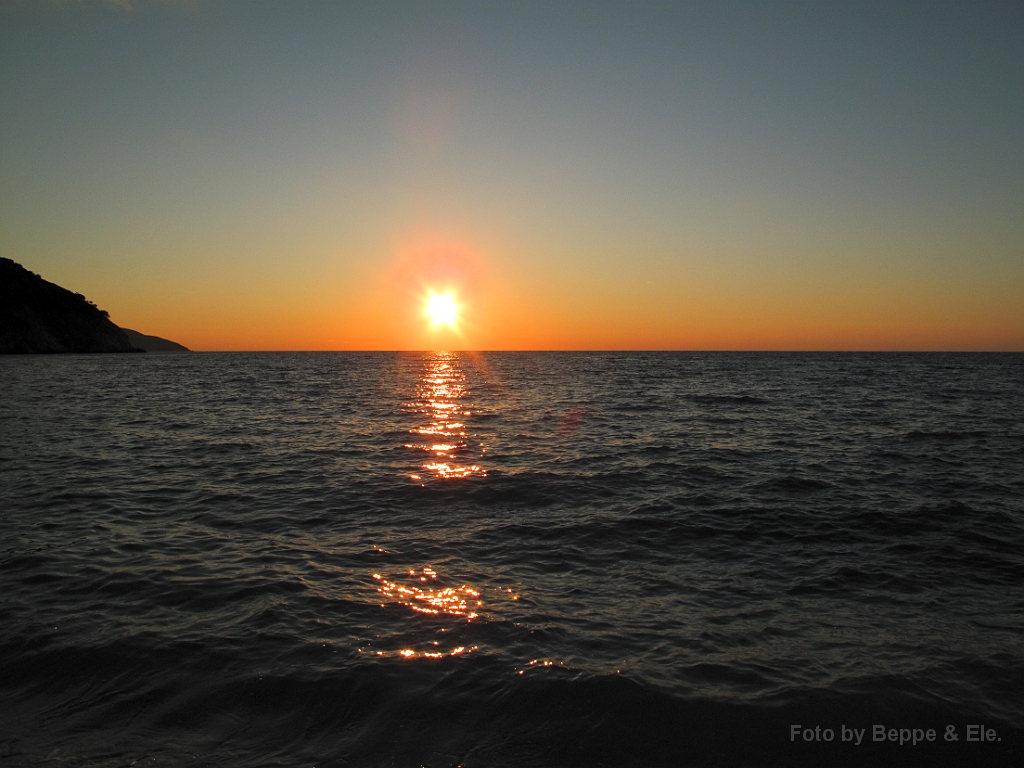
pixel 737 175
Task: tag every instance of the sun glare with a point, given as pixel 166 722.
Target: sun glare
pixel 442 309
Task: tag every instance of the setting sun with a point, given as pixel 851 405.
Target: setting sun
pixel 442 309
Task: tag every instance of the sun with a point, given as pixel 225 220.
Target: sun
pixel 442 309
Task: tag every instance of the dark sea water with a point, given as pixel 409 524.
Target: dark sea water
pixel 511 559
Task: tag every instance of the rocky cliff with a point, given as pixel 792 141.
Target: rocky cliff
pixel 38 316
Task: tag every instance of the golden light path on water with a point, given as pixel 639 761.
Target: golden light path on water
pixel 443 437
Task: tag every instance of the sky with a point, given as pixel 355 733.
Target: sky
pixel 688 176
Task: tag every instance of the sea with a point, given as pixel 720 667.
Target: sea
pixel 512 559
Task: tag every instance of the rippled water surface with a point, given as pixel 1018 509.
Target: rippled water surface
pixel 510 559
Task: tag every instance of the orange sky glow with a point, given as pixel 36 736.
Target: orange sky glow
pixel 503 306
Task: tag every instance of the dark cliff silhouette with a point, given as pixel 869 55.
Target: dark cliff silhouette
pixel 38 316
pixel 153 343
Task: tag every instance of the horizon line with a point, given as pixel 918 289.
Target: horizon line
pixel 604 351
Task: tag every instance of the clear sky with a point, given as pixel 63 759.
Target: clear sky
pixel 725 175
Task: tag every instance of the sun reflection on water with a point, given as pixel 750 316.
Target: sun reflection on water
pixel 445 606
pixel 444 436
pixel 453 601
pixel 409 653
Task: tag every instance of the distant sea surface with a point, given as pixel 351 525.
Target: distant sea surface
pixel 511 559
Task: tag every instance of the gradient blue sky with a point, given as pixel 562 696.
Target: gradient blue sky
pixel 594 175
